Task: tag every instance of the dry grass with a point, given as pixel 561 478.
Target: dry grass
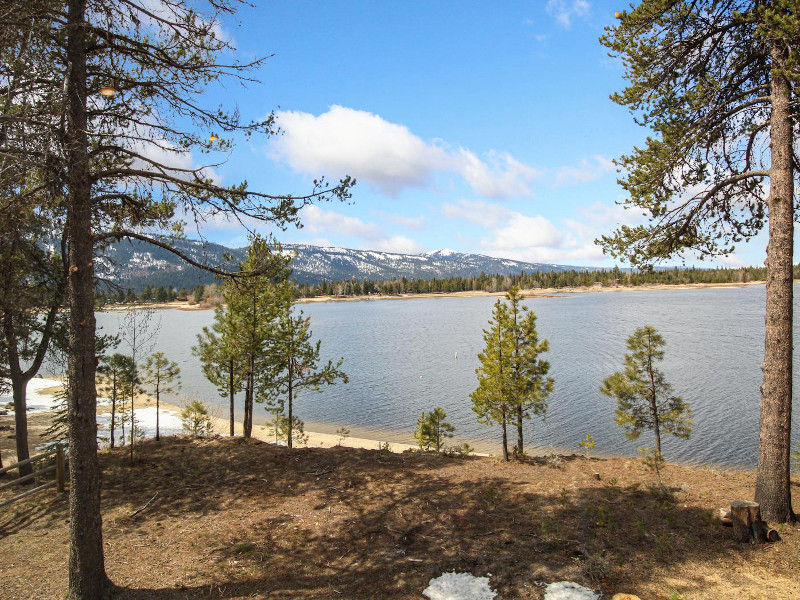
pixel 238 519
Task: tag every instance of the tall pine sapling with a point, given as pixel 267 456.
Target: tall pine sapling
pixel 492 401
pixel 530 386
pixel 292 361
pixel 645 401
pixel 162 376
pixel 119 383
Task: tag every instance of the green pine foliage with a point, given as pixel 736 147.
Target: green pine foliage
pixel 645 401
pixel 119 383
pixel 433 429
pixel 512 379
pixel 161 376
pixel 195 419
pixel 491 401
pixel 291 361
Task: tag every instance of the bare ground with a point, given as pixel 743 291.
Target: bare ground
pixel 231 518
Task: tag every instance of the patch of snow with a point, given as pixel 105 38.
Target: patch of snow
pixel 567 590
pixel 36 401
pixel 169 423
pixel 459 586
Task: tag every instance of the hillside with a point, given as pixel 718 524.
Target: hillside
pixel 132 263
pixel 228 518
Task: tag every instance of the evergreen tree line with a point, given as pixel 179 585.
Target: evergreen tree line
pixel 537 280
pixel 483 282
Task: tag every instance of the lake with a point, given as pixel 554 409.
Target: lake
pixel 406 356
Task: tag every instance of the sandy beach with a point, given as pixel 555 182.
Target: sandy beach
pixel 527 293
pixel 42 403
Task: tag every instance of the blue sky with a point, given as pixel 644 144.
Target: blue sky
pixel 475 126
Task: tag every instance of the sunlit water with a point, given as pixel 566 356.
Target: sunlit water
pixel 406 356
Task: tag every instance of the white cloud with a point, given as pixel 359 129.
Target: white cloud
pixel 396 243
pixel 317 220
pixel 346 141
pixel 417 223
pixel 533 238
pixel 389 156
pixel 502 177
pixel 330 223
pixel 585 171
pixel 564 11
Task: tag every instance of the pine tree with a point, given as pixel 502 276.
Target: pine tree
pixel 530 386
pixel 492 400
pixel 717 82
pixel 107 153
pixel 432 430
pixel 512 379
pixel 220 359
pixel 292 361
pixel 163 377
pixel 120 382
pixel 252 304
pixel 645 401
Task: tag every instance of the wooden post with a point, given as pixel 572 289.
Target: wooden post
pixel 60 467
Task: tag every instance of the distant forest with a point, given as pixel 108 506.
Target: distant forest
pixel 207 294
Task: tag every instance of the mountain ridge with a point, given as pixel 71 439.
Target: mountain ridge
pixel 132 263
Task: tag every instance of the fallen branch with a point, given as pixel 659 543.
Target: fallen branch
pixel 137 511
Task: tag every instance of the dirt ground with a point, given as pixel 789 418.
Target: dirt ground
pixel 230 518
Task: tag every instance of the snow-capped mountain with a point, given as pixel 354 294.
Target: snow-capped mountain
pixel 136 264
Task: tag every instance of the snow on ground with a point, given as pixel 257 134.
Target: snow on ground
pixel 169 423
pixel 37 402
pixel 566 590
pixel 459 586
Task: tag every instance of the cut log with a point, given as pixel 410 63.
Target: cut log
pixel 725 517
pixel 748 527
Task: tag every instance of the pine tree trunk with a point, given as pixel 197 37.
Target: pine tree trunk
pixel 505 438
pixel 289 426
pixel 520 449
pixel 87 575
pixel 773 486
pixel 232 393
pixel 113 412
pixel 158 432
pixel 248 400
pixel 653 404
pixel 18 388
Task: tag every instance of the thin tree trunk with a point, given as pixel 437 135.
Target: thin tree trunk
pixel 505 439
pixel 87 574
pixel 653 404
pixel 113 409
pixel 158 434
pixel 18 386
pixel 289 426
pixel 248 400
pixel 773 485
pixel 520 449
pixel 232 393
pixel 133 426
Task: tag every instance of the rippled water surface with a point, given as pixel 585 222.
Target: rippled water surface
pixel 406 356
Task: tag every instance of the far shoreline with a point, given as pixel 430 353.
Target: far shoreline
pixel 526 293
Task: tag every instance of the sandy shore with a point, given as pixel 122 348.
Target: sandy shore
pixel 46 389
pixel 528 293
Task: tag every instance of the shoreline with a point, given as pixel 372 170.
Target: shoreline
pixel 526 294
pixel 364 438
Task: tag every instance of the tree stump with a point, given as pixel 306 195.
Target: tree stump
pixel 748 527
